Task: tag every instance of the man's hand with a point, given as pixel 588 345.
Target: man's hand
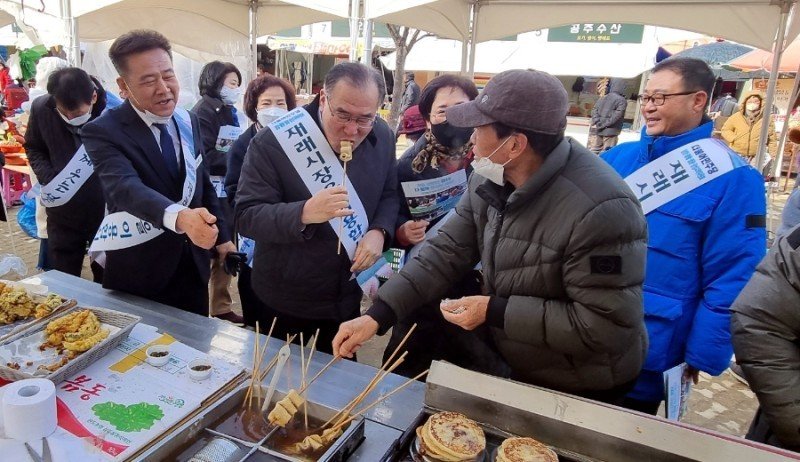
pixel 326 204
pixel 198 224
pixel 224 249
pixel 467 312
pixel 369 250
pixel 411 232
pixel 352 334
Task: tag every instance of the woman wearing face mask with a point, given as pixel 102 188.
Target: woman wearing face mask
pixel 266 99
pixel 442 150
pixel 743 129
pixel 220 88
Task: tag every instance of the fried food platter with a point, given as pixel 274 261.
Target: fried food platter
pixel 24 305
pixel 67 343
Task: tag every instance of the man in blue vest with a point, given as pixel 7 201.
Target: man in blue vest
pixel 705 211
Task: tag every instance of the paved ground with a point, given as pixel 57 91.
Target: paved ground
pixel 717 403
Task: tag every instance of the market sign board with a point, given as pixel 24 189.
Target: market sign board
pixel 597 33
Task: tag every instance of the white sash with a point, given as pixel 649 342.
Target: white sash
pixel 680 171
pixel 319 168
pixel 121 230
pixel 69 180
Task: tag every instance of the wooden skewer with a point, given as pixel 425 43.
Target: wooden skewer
pixel 257 360
pixel 303 376
pixel 255 365
pixel 324 368
pixel 341 220
pixel 313 348
pixel 368 389
pixel 402 342
pixel 375 403
pixel 274 361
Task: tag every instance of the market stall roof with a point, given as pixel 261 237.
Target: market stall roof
pixel 219 27
pixel 760 59
pixel 751 22
pixel 534 51
pixel 715 53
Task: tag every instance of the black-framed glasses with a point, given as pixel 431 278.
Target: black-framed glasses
pixel 658 99
pixel 344 118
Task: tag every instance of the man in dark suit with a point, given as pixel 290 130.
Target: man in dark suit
pixel 147 155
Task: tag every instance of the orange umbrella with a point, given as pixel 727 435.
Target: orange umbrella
pixel 760 59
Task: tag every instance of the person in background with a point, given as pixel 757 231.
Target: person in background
pixel 262 70
pixel 220 89
pixel 267 98
pixel 703 244
pixel 607 116
pixel 412 124
pixel 443 149
pixel 5 76
pixel 411 92
pixel 147 153
pixel 561 240
pixel 298 271
pixel 765 329
pixel 52 140
pixel 742 130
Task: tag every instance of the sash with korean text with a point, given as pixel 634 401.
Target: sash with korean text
pixel 319 168
pixel 122 230
pixel 62 188
pixel 680 171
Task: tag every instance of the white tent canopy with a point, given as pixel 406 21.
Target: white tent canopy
pixel 533 51
pixel 751 22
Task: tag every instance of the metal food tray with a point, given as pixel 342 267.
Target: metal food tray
pixel 494 437
pixel 13 330
pixel 190 437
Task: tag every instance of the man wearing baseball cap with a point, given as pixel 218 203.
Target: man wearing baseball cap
pixel 561 240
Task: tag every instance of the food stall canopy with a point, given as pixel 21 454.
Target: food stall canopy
pixel 760 59
pixel 219 27
pixel 751 22
pixel 41 20
pixel 534 50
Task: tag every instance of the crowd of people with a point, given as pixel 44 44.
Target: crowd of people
pixel 586 274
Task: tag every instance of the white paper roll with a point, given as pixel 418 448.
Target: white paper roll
pixel 29 409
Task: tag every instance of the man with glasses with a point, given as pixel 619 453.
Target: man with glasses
pixel 705 209
pixel 293 201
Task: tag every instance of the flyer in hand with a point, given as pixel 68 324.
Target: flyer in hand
pixel 430 199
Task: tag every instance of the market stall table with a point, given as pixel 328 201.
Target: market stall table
pixel 384 423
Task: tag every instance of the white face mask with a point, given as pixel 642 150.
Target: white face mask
pixel 149 116
pixel 753 107
pixel 230 95
pixel 77 121
pixel 488 169
pixel 269 114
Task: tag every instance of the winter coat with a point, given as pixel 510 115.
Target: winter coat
pixel 703 248
pixel 411 96
pixel 609 112
pixel 296 269
pixel 742 135
pixel 765 325
pixel 213 114
pixel 235 161
pixel 50 144
pixel 563 263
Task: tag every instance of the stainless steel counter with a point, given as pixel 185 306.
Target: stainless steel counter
pixel 223 340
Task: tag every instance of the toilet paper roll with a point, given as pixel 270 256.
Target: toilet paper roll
pixel 29 409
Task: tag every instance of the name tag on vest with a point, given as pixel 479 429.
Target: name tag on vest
pixel 122 230
pixel 318 166
pixel 680 171
pixel 69 180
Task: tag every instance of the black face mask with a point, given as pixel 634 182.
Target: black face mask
pixel 451 136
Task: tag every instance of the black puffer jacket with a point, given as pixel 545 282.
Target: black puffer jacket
pixel 765 328
pixel 609 112
pixel 563 259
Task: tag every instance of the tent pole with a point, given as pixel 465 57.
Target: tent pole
pixel 637 115
pixel 367 58
pixel 71 33
pixel 354 9
pixel 785 131
pixel 472 39
pixel 780 40
pixel 464 55
pixel 253 37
